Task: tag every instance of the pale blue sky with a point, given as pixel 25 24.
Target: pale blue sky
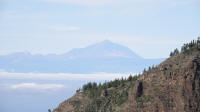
pixel 151 28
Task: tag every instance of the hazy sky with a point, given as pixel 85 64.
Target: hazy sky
pixel 151 28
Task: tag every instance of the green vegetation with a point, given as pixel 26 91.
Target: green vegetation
pixel 175 52
pixel 114 93
pixel 187 48
pixel 122 98
pixel 94 90
pixel 151 69
pixel 144 98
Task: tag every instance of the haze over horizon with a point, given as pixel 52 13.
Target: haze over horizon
pixel 105 56
pixel 103 45
pixel 151 28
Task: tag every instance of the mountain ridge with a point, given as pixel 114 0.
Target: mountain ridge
pixel 171 86
pixel 104 56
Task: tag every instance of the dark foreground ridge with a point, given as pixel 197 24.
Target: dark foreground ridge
pixel 172 86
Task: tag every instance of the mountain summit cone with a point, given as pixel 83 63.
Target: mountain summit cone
pixel 104 49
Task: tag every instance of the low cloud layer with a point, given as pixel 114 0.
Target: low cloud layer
pixel 40 82
pixel 36 86
pixel 62 76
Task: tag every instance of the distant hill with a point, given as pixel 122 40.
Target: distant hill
pixel 172 86
pixel 104 56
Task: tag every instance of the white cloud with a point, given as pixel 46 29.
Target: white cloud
pixel 37 86
pixel 62 76
pixel 64 28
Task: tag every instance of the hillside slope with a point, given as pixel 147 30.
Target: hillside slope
pixel 172 86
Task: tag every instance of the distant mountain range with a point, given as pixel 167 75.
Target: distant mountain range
pixel 105 56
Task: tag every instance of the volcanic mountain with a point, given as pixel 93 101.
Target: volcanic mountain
pixel 104 49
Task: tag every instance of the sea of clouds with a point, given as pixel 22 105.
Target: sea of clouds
pixel 36 92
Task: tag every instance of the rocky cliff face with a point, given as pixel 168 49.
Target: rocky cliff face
pixel 172 86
